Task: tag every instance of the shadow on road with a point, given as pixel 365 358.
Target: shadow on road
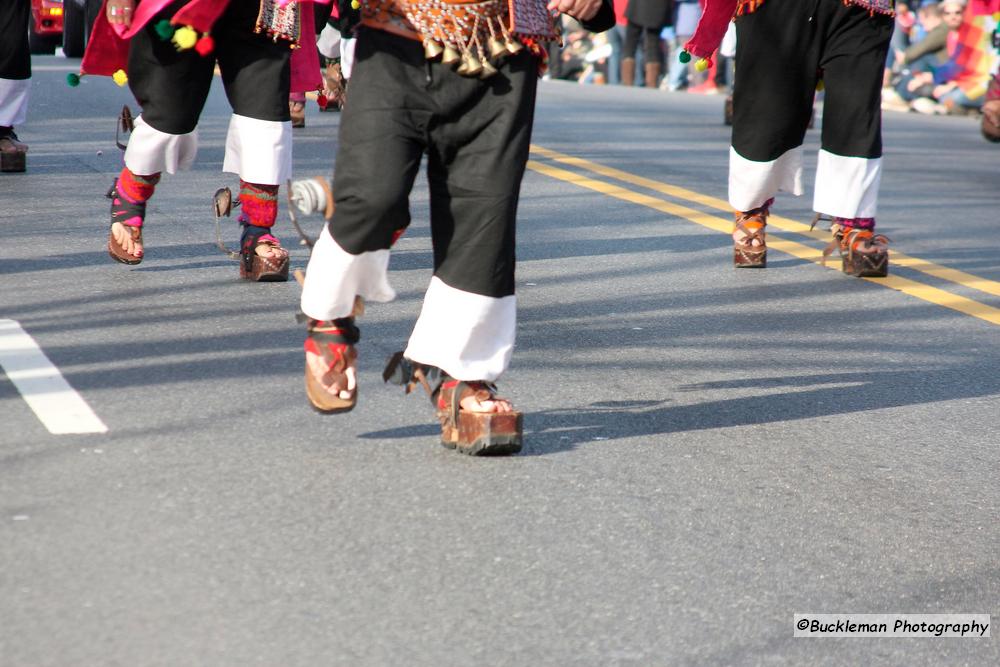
pixel 549 432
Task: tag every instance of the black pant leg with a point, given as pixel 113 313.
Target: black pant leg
pixel 382 141
pixel 479 149
pixel 171 86
pixel 777 54
pixel 15 56
pixel 256 71
pixel 853 66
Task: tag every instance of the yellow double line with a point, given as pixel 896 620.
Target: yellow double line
pixel 914 288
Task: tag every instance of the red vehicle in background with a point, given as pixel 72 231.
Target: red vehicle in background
pixel 45 32
pixel 66 22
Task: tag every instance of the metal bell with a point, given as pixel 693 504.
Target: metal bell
pixel 470 66
pixel 513 46
pixel 497 47
pixel 432 49
pixel 488 70
pixel 450 56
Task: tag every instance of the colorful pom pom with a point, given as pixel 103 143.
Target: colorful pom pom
pixel 185 38
pixel 702 65
pixel 163 29
pixel 205 45
pixel 684 57
pixel 322 101
pixel 355 4
pixel 72 79
pixel 120 77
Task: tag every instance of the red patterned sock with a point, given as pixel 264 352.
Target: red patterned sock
pixel 259 204
pixel 855 223
pixel 136 189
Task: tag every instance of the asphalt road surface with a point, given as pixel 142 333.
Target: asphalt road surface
pixel 708 452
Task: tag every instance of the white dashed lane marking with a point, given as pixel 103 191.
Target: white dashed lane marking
pixel 56 404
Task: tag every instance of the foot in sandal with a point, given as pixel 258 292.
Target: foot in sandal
pixel 331 364
pixel 749 239
pixel 863 253
pixel 474 420
pixel 13 151
pixel 262 259
pixel 129 194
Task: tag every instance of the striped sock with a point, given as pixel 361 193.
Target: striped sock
pixel 136 189
pixel 259 204
pixel 855 223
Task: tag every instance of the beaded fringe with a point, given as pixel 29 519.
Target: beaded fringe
pixel 279 21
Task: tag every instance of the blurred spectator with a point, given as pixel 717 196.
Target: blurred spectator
pixel 916 63
pixel 902 35
pixel 686 15
pixel 933 48
pixel 957 85
pixel 572 56
pixel 960 83
pixel 596 59
pixel 727 64
pixel 616 38
pixel 645 18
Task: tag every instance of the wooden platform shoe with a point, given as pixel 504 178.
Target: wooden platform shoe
pixel 252 266
pixel 13 153
pixel 466 431
pixel 863 253
pixel 747 255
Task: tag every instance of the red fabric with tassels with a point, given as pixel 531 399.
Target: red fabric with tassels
pixel 715 18
pixel 107 50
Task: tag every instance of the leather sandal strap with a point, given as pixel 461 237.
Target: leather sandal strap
pixel 408 374
pixel 340 330
pixel 124 211
pixel 753 230
pixel 854 238
pixel 254 236
pixel 333 340
pixel 830 247
pixel 817 218
pixel 456 401
pixel 482 391
pixel 336 356
pixel 335 331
